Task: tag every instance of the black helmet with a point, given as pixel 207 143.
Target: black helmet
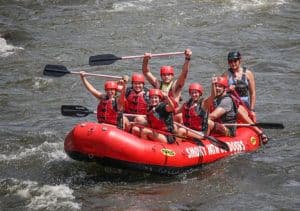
pixel 234 55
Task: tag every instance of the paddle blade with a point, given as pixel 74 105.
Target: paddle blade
pixel 55 70
pixel 270 125
pixel 103 59
pixel 75 111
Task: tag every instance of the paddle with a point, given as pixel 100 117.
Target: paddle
pixel 197 141
pixel 60 70
pixel 215 141
pixel 75 111
pixel 107 59
pixel 244 104
pixel 266 125
pixel 81 111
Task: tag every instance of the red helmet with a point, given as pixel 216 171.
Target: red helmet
pixel 196 86
pixel 166 70
pixel 137 77
pixel 110 85
pixel 156 92
pixel 222 81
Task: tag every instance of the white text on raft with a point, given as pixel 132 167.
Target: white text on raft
pixel 199 151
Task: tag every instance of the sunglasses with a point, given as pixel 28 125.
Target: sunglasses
pixel 233 60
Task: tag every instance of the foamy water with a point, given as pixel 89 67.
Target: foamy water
pixel 42 197
pixel 6 49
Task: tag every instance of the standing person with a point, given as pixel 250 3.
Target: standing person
pixel 168 84
pixel 195 112
pixel 241 80
pixel 137 97
pixel 159 119
pixel 109 104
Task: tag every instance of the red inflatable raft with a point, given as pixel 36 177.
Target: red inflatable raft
pixel 111 146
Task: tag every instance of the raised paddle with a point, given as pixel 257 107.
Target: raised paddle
pixel 60 70
pixel 107 59
pixel 213 140
pixel 266 125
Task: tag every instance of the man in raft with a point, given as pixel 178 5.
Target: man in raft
pixel 159 120
pixel 223 108
pixel 173 87
pixel 226 109
pixel 110 106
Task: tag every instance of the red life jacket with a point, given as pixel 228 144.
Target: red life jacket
pixel 107 111
pixel 159 118
pixel 136 103
pixel 194 116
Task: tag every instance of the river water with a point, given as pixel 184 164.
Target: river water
pixel 35 172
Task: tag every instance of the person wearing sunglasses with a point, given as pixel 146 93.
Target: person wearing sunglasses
pixel 241 82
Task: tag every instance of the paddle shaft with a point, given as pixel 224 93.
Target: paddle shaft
pixel 267 125
pixel 107 59
pixel 97 75
pixel 198 142
pixel 153 55
pixel 213 140
pixel 243 103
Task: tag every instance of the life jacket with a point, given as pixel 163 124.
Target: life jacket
pixel 230 116
pixel 167 88
pixel 136 103
pixel 241 86
pixel 159 118
pixel 194 116
pixel 107 111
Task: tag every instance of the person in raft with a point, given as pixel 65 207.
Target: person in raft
pixel 136 98
pixel 159 119
pixel 223 108
pixel 168 84
pixel 110 106
pixel 241 81
pixel 226 109
pixel 195 112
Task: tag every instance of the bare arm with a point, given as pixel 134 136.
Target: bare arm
pixel 121 98
pixel 252 89
pixel 89 86
pixel 218 112
pixel 170 105
pixel 179 84
pixel 147 73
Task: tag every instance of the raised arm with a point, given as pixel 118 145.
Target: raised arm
pixel 121 98
pixel 147 73
pixel 179 84
pixel 89 86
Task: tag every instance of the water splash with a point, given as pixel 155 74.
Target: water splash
pixel 40 197
pixel 6 49
pixel 131 5
pixel 254 4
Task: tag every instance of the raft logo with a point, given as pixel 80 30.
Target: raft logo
pixel 168 152
pixel 253 140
